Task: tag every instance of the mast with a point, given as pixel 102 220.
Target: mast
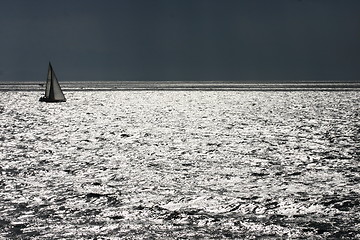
pixel 51 93
pixel 48 81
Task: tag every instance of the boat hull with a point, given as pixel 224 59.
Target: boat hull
pixel 44 99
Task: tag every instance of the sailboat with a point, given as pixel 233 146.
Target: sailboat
pixel 53 92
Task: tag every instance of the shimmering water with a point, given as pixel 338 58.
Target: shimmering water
pixel 180 165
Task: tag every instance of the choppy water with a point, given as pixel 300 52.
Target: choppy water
pixel 180 165
pixel 184 86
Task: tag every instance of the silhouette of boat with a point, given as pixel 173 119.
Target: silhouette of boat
pixel 53 92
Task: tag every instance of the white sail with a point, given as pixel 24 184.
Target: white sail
pixel 53 92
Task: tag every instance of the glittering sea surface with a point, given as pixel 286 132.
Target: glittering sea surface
pixel 180 165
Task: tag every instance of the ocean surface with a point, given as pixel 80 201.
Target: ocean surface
pixel 180 164
pixel 184 86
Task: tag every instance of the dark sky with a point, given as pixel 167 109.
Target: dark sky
pixel 261 40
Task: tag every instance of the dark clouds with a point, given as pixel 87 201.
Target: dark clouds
pixel 181 39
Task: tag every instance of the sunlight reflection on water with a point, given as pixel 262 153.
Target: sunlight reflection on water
pixel 149 164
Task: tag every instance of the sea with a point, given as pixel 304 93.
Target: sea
pixel 180 160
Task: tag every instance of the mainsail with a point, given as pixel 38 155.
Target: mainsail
pixel 53 91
